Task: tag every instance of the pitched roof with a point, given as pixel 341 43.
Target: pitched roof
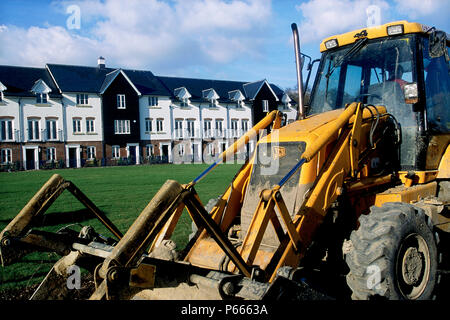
pixel 109 78
pixel 252 89
pixel 147 83
pixel 78 78
pixel 20 80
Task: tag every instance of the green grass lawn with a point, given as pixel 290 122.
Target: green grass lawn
pixel 120 192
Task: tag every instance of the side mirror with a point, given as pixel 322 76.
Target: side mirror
pixel 437 44
pixel 411 93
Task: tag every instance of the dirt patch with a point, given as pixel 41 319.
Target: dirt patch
pixel 25 293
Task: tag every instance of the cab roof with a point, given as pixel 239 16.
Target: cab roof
pixel 396 27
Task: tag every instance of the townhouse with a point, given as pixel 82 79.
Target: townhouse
pixel 73 116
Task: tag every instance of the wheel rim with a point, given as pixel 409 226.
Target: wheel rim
pixel 413 266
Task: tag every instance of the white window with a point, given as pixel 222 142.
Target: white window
pixel 41 98
pixel 210 149
pixel 265 105
pixel 116 152
pixel 122 126
pixel 234 127
pixel 76 125
pixel 1 96
pixel 90 152
pixel 148 125
pixel 184 102
pixel 6 156
pixel 121 104
pixel 159 125
pixel 213 103
pixel 6 130
pixel 181 149
pixel 178 128
pixel 190 128
pixel 51 154
pixel 82 99
pixel 50 126
pixel 90 125
pixel 244 125
pixel 207 128
pixel 33 129
pixel 219 128
pixel 152 101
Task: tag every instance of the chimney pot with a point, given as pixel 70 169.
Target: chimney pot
pixel 101 62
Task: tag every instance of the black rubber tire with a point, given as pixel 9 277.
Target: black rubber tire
pixel 379 251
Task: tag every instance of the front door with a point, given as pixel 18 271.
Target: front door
pixel 165 153
pixel 72 157
pixel 30 159
pixel 132 154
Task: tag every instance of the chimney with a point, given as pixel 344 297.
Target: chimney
pixel 101 62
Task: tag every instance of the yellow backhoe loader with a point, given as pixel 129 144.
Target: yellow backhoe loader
pixel 357 186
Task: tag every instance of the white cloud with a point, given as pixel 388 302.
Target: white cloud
pixel 323 18
pixel 151 34
pixel 418 8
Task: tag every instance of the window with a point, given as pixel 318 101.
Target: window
pixel 90 152
pixel 244 125
pixel 33 129
pixel 76 123
pixel 6 156
pixel 219 128
pixel 210 149
pixel 1 96
pixel 184 102
pixel 148 124
pixel 159 125
pixel 122 126
pixel 51 154
pixel 41 98
pixel 190 128
pixel 90 127
pixel 152 101
pixel 234 127
pixel 50 125
pixel 265 105
pixel 181 149
pixel 82 99
pixel 207 128
pixel 213 103
pixel 115 152
pixel 121 101
pixel 178 128
pixel 150 150
pixel 6 130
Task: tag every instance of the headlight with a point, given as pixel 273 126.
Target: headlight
pixel 333 43
pixel 393 30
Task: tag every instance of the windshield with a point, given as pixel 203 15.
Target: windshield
pixel 368 74
pixel 372 72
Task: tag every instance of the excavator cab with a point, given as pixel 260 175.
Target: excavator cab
pixel 398 72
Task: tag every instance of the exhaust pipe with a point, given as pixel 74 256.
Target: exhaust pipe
pixel 301 111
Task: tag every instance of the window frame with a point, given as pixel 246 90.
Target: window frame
pixel 121 101
pixel 76 126
pixel 90 125
pixel 51 127
pixel 6 153
pixel 82 99
pixel 35 133
pixel 51 154
pixel 89 152
pixel 115 152
pixel 8 131
pixel 122 126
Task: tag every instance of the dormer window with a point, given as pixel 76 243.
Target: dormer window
pixel 41 90
pixel 265 105
pixel 183 95
pixel 286 101
pixel 41 98
pixel 2 88
pixel 184 102
pixel 212 96
pixel 82 99
pixel 238 97
pixel 153 101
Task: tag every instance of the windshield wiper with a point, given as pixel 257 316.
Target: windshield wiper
pixel 359 44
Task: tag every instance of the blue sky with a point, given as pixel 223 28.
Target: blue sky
pixel 245 40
